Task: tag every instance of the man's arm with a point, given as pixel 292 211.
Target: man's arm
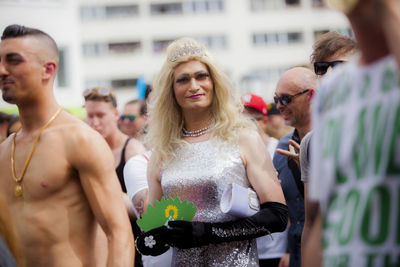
pixel 90 155
pixel 311 209
pixel 312 252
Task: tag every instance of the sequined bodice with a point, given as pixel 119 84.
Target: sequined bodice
pixel 200 174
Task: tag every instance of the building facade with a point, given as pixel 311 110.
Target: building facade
pixel 121 41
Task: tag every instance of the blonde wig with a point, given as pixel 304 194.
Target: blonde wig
pixel 165 115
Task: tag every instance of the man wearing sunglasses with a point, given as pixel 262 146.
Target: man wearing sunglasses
pixel 330 50
pixel 355 167
pixel 133 119
pixel 293 97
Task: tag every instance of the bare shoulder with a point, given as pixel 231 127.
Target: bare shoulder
pixel 249 135
pixel 250 141
pixel 79 139
pixel 135 147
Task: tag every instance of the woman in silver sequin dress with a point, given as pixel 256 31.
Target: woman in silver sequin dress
pixel 200 145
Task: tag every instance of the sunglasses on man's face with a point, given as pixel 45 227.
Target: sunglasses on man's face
pixel 321 67
pixel 130 117
pixel 286 99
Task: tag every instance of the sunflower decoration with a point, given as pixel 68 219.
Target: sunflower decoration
pixel 170 209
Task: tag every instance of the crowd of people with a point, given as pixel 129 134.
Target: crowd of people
pixel 322 158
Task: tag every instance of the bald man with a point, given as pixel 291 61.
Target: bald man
pixel 57 174
pixel 293 98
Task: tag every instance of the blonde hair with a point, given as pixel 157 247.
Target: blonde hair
pixel 165 115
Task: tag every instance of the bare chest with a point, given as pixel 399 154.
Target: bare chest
pixel 46 173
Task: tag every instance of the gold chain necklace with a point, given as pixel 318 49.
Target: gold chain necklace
pixel 18 180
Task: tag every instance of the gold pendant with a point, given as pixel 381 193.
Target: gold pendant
pixel 18 190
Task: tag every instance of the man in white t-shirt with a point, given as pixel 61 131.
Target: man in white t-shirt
pixel 356 147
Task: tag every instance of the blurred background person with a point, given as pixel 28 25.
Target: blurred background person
pixel 271 247
pixel 133 118
pixel 276 127
pixel 4 119
pixel 293 96
pixel 102 116
pixel 9 123
pixel 330 49
pixel 13 124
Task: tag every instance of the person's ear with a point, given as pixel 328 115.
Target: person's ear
pixel 50 69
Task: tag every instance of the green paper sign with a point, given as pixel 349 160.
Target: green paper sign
pixel 170 209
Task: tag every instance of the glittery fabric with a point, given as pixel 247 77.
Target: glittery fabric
pixel 200 174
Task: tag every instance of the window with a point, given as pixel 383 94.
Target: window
pixel 101 49
pixel 260 5
pixel 119 48
pixel 160 46
pixel 123 83
pixel 213 42
pixel 166 9
pixel 204 6
pixel 121 11
pixel 108 12
pixel 277 38
pixel 62 73
pixel 294 37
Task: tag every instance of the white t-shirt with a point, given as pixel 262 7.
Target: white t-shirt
pixel 355 164
pixel 305 157
pixel 274 245
pixel 135 175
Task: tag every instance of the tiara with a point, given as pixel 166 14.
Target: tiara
pixel 186 50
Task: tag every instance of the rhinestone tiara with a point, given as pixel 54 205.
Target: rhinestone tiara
pixel 185 51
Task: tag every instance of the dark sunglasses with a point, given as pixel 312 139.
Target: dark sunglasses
pixel 286 99
pixel 321 67
pixel 130 117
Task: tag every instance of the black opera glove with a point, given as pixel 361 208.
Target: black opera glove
pixel 272 217
pixel 153 242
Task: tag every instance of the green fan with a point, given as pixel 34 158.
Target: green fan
pixel 170 209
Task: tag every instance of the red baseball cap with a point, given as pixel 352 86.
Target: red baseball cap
pixel 255 101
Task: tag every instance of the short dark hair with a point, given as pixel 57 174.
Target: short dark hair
pixel 329 44
pixel 16 31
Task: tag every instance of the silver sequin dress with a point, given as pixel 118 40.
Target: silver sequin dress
pixel 200 174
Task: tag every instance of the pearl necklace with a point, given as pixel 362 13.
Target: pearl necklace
pixel 195 133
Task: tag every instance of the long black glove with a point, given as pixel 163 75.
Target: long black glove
pixel 272 217
pixel 153 242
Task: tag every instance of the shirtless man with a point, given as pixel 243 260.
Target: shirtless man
pixel 70 187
